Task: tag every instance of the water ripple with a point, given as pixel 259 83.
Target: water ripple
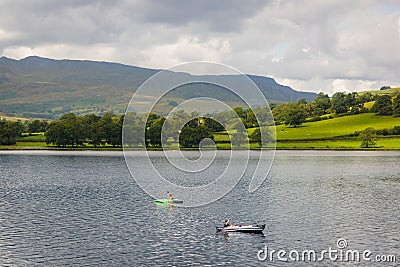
pixel 69 209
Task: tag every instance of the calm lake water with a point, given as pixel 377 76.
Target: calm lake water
pixel 83 208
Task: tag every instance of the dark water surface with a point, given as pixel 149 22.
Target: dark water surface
pixel 83 208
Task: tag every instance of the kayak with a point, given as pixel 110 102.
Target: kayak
pixel 169 201
pixel 244 228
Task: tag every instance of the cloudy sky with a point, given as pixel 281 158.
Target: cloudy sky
pixel 310 45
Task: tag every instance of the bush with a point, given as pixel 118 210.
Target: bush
pixel 393 131
pixel 316 118
pixel 396 130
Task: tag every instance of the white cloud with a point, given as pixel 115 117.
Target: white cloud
pixel 186 49
pixel 398 22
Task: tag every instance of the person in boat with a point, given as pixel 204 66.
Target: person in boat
pixel 227 222
pixel 170 197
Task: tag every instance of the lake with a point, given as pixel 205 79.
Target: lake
pixel 62 208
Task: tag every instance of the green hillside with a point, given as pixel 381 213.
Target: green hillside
pixel 336 127
pixel 392 92
pixel 331 134
pixel 336 133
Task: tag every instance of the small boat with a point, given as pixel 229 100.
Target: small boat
pixel 243 228
pixel 169 201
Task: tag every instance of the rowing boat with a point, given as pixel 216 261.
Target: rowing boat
pixel 244 228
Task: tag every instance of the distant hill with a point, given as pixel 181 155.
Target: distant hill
pixel 46 88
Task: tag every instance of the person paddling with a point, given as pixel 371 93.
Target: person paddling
pixel 170 197
pixel 227 222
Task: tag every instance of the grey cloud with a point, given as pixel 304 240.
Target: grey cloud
pixel 37 22
pixel 219 16
pixel 309 44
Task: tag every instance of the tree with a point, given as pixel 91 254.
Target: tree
pixel 112 127
pixel 292 114
pixel 238 132
pixel 321 104
pixel 191 136
pixel 302 101
pixel 250 119
pixel 93 129
pixel 368 137
pixel 153 132
pixel 174 123
pixel 247 116
pixel 263 139
pixel 57 134
pixel 74 132
pixel 238 139
pixel 383 105
pixel 264 115
pixel 396 106
pixel 37 126
pixel 95 132
pixel 365 97
pixel 152 117
pixel 212 124
pixel 338 103
pixel 9 131
pixel 69 130
pixel 133 130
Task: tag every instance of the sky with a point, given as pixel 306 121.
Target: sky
pixel 328 46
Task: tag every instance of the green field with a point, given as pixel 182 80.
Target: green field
pixel 36 137
pixel 336 127
pixel 328 134
pixel 392 92
pixel 350 144
pixel 327 129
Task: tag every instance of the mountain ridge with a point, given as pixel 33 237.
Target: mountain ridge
pixel 45 87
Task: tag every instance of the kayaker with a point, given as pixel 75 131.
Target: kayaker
pixel 227 222
pixel 170 197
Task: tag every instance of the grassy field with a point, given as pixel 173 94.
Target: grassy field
pixel 326 129
pixel 328 134
pixel 351 144
pixel 36 137
pixel 336 127
pixel 9 118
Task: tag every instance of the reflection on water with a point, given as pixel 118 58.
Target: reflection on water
pixel 83 208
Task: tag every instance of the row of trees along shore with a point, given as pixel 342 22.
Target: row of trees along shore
pixel 152 130
pixel 74 130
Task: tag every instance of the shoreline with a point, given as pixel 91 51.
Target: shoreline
pixel 28 148
pixel 142 153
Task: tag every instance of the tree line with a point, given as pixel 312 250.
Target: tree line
pixel 189 129
pixel 73 130
pixel 144 130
